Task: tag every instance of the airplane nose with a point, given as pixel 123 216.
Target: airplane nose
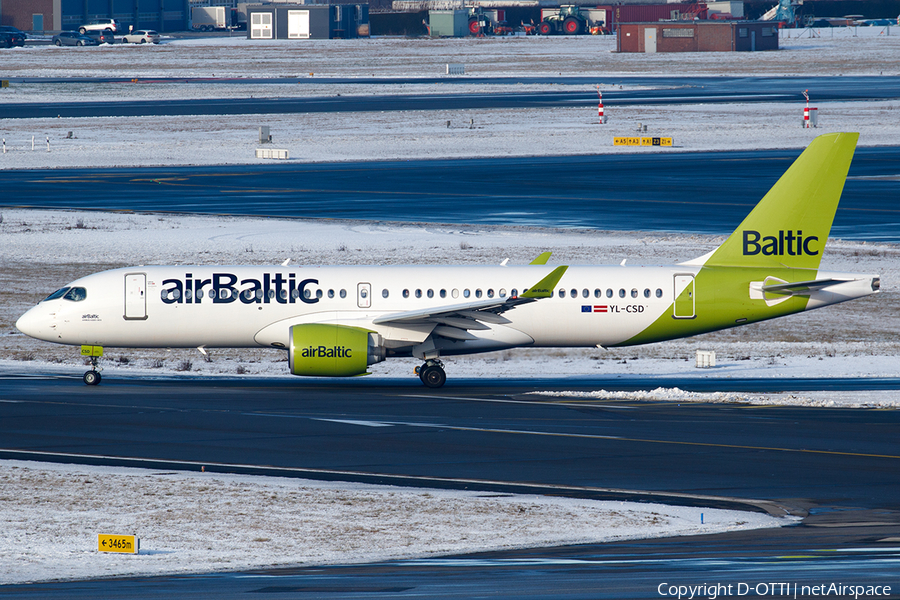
pixel 34 323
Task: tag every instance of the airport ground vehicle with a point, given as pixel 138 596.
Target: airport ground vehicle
pixel 73 38
pixel 210 18
pixel 573 20
pixel 112 25
pixel 335 321
pixel 102 36
pixel 141 36
pixel 11 36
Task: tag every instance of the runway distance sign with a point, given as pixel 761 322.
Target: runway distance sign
pixel 127 544
pixel 642 141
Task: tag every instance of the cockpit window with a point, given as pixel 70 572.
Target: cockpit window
pixel 57 294
pixel 76 294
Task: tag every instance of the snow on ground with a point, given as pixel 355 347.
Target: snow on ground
pixel 217 139
pixel 50 516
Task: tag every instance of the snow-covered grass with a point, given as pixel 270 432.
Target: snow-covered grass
pixel 215 139
pixel 50 516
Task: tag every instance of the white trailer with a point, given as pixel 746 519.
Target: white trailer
pixel 208 18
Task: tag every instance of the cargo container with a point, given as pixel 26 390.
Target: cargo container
pixel 210 18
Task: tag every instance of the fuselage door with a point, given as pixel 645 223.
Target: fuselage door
pixel 685 297
pixel 135 296
pixel 364 295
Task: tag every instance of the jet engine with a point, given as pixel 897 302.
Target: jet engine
pixel 333 350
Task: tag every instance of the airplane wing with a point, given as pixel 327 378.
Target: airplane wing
pixel 455 320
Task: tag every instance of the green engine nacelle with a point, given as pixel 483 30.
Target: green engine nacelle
pixel 333 350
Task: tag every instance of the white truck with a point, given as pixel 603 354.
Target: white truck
pixel 209 18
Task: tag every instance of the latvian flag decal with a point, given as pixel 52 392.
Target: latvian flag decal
pixel 600 308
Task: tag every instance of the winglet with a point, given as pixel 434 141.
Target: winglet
pixel 542 259
pixel 544 287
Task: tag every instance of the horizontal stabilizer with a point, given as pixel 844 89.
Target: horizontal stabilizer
pixel 799 287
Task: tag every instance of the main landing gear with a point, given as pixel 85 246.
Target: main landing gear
pixel 432 373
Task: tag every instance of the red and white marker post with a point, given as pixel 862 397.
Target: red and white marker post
pixel 600 107
pixel 810 115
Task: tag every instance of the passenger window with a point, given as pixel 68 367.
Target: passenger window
pixel 418 293
pixel 574 293
pixel 385 293
pixel 466 293
pixel 490 293
pixel 331 293
pixel 343 293
pixel 634 293
pixel 443 293
pixel 406 293
pixel 562 293
pixel 319 294
pixel 514 293
pixel 431 293
pixel 647 293
pixel 502 293
pixel 455 293
pixel 295 293
pixel 622 292
pixel 585 293
pixel 598 293
pixel 658 293
pixel 609 293
pixel 478 293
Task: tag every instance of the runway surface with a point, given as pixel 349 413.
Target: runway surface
pixel 671 90
pixel 625 192
pixel 836 465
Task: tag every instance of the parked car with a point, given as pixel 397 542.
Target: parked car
pixel 73 38
pixel 12 36
pixel 112 25
pixel 141 36
pixel 102 37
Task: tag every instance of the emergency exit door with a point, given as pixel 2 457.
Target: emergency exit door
pixel 364 295
pixel 685 297
pixel 135 296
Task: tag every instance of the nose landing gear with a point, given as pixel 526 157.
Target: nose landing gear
pixel 92 377
pixel 432 373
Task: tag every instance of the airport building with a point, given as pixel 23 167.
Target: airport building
pixel 697 36
pixel 54 15
pixel 282 21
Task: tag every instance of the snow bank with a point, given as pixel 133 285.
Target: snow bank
pixel 50 516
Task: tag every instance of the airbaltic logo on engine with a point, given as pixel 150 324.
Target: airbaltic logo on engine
pixel 325 352
pixel 224 288
pixel 787 242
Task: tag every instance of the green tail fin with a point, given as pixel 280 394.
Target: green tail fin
pixel 790 225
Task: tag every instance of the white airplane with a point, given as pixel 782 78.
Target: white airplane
pixel 337 320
